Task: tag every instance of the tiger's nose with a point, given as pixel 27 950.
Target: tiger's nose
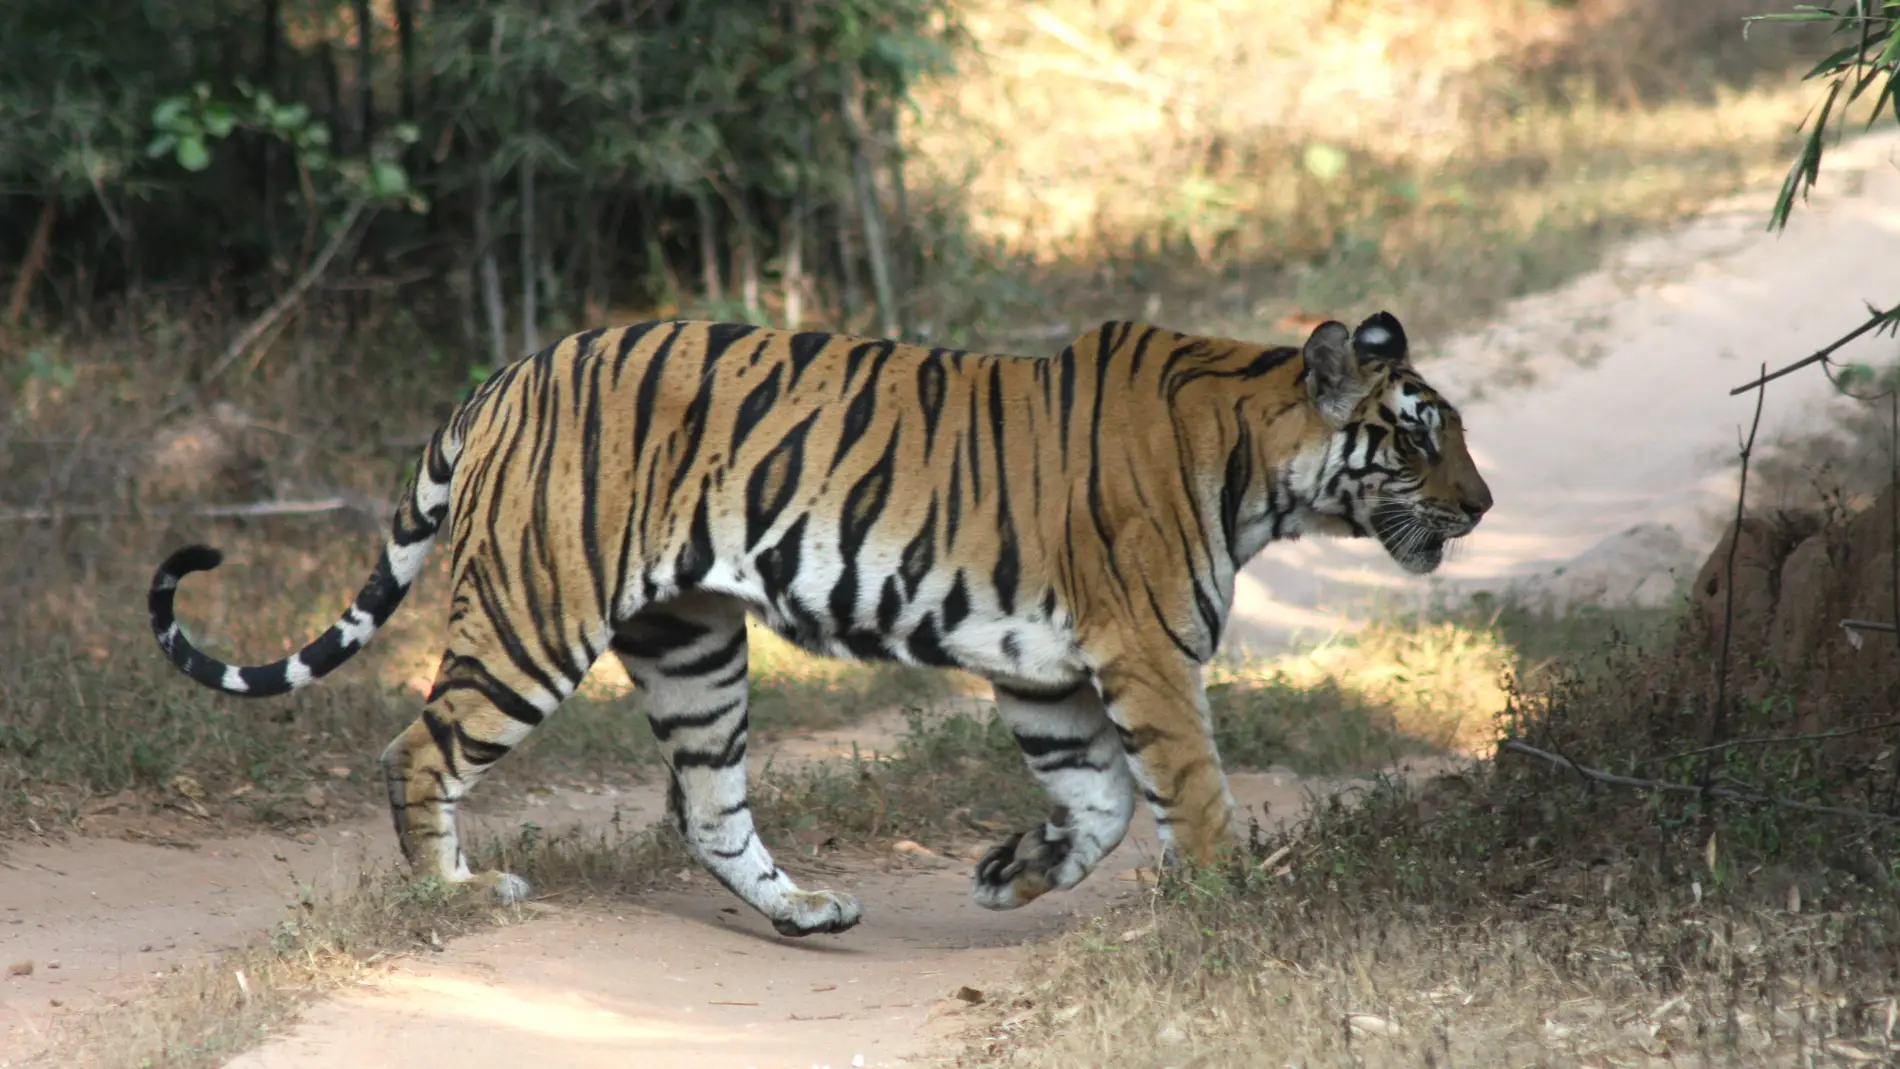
pixel 1477 502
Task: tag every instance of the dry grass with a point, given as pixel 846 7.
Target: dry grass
pixel 1223 164
pixel 1358 702
pixel 1512 915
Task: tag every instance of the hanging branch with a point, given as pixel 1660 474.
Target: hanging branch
pixel 1878 320
pixel 1665 787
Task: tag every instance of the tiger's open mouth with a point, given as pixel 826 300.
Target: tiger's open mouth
pixel 1415 537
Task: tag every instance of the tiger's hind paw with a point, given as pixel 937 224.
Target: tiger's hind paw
pixel 1023 868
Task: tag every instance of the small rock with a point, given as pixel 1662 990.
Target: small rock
pixel 313 797
pixel 145 948
pixel 340 772
pixel 967 994
pixel 52 964
pixel 21 968
pixel 188 786
pixel 55 1002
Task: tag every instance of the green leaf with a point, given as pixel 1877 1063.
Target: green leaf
pixel 219 120
pixel 161 145
pixel 387 179
pixel 169 111
pixel 1324 162
pixel 192 154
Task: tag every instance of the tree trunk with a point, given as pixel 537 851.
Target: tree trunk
pixel 905 265
pixel 37 251
pixel 792 239
pixel 406 48
pixel 530 326
pixel 491 272
pixel 847 263
pixel 747 253
pixel 709 280
pixel 365 74
pixel 876 248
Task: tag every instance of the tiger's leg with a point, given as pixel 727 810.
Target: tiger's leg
pixel 1076 754
pixel 473 717
pixel 688 656
pixel 1160 709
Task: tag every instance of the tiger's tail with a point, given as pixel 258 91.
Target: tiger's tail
pixel 419 515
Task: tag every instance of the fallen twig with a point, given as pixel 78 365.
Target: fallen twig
pixel 257 508
pixel 1664 786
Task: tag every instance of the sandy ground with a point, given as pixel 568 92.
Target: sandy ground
pixel 684 977
pixel 1601 417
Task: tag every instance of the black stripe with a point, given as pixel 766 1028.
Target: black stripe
pixel 510 640
pixel 659 633
pixel 695 558
pixel 772 483
pixel 623 346
pixel 926 644
pixel 805 347
pixel 664 727
pixel 920 555
pixel 478 751
pixel 649 388
pixel 956 605
pixel 932 389
pixel 711 661
pixel 1039 695
pixel 857 418
pixel 589 488
pixel 727 756
pixel 754 408
pixel 1044 745
pixel 469 673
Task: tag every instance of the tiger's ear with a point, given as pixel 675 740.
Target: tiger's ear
pixel 1381 337
pixel 1334 378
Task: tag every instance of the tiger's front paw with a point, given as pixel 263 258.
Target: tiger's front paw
pixel 506 887
pixel 817 913
pixel 1024 867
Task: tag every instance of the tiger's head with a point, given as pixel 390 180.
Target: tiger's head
pixel 1395 464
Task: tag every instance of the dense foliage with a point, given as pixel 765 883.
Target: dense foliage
pixel 520 155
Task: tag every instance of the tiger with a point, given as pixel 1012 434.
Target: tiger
pixel 1067 528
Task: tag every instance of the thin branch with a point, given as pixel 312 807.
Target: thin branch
pixel 1875 322
pixel 1719 725
pixel 1665 787
pixel 1870 625
pixel 257 508
pixel 1774 740
pixel 283 304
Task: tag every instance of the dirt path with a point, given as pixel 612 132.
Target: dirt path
pixel 1600 414
pixel 684 977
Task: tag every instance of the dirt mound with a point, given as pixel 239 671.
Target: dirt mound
pixel 1796 575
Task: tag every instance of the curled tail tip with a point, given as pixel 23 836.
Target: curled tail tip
pixel 183 562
